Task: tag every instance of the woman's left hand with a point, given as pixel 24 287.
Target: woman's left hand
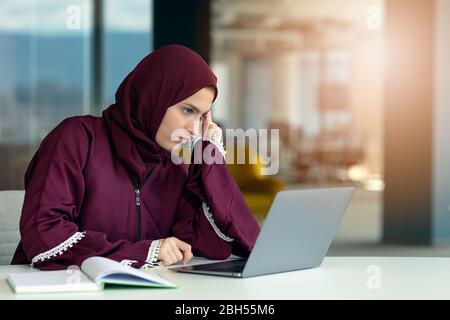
pixel 210 130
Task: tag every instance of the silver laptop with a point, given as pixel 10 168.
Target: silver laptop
pixel 295 235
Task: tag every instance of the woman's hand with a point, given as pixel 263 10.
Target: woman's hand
pixel 210 130
pixel 173 250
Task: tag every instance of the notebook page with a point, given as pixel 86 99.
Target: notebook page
pixel 99 268
pixel 51 281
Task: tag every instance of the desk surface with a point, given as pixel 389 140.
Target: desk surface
pixel 336 278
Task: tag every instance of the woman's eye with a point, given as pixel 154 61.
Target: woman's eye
pixel 188 110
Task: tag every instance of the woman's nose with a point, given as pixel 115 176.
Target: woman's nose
pixel 193 126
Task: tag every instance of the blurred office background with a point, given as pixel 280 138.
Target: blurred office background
pixel 356 88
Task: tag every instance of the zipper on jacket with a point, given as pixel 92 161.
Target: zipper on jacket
pixel 138 207
pixel 138 202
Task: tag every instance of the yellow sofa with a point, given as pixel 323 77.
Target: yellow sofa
pixel 258 190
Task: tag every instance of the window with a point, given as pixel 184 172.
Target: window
pixel 46 63
pixel 128 37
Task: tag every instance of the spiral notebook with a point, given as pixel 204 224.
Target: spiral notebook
pixel 94 275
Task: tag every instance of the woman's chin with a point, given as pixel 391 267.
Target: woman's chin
pixel 173 145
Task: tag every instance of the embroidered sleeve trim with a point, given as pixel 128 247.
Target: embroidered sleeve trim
pixel 152 256
pixel 151 265
pixel 219 144
pixel 127 262
pixel 208 215
pixel 214 140
pixel 60 249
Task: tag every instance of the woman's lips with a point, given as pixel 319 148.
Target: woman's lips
pixel 182 140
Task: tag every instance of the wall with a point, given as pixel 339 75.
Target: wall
pixel 441 128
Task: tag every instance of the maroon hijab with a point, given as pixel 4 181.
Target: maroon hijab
pixel 160 80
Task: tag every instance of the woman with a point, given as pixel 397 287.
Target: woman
pixel 108 186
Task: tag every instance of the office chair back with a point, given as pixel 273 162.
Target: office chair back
pixel 11 202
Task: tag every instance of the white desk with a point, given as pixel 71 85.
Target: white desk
pixel 336 278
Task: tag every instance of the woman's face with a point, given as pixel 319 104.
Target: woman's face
pixel 180 119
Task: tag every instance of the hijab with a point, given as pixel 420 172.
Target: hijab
pixel 161 79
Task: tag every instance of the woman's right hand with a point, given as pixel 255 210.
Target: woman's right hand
pixel 173 250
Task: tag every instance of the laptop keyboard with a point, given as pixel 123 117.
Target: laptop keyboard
pixel 225 266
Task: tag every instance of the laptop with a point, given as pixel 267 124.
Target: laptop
pixel 295 235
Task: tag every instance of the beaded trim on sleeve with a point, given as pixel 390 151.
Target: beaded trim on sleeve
pixel 127 262
pixel 214 140
pixel 59 249
pixel 152 256
pixel 151 265
pixel 208 215
pixel 219 144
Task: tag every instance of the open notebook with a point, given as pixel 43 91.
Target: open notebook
pixel 95 273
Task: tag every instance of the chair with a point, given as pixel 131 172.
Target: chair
pixel 11 202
